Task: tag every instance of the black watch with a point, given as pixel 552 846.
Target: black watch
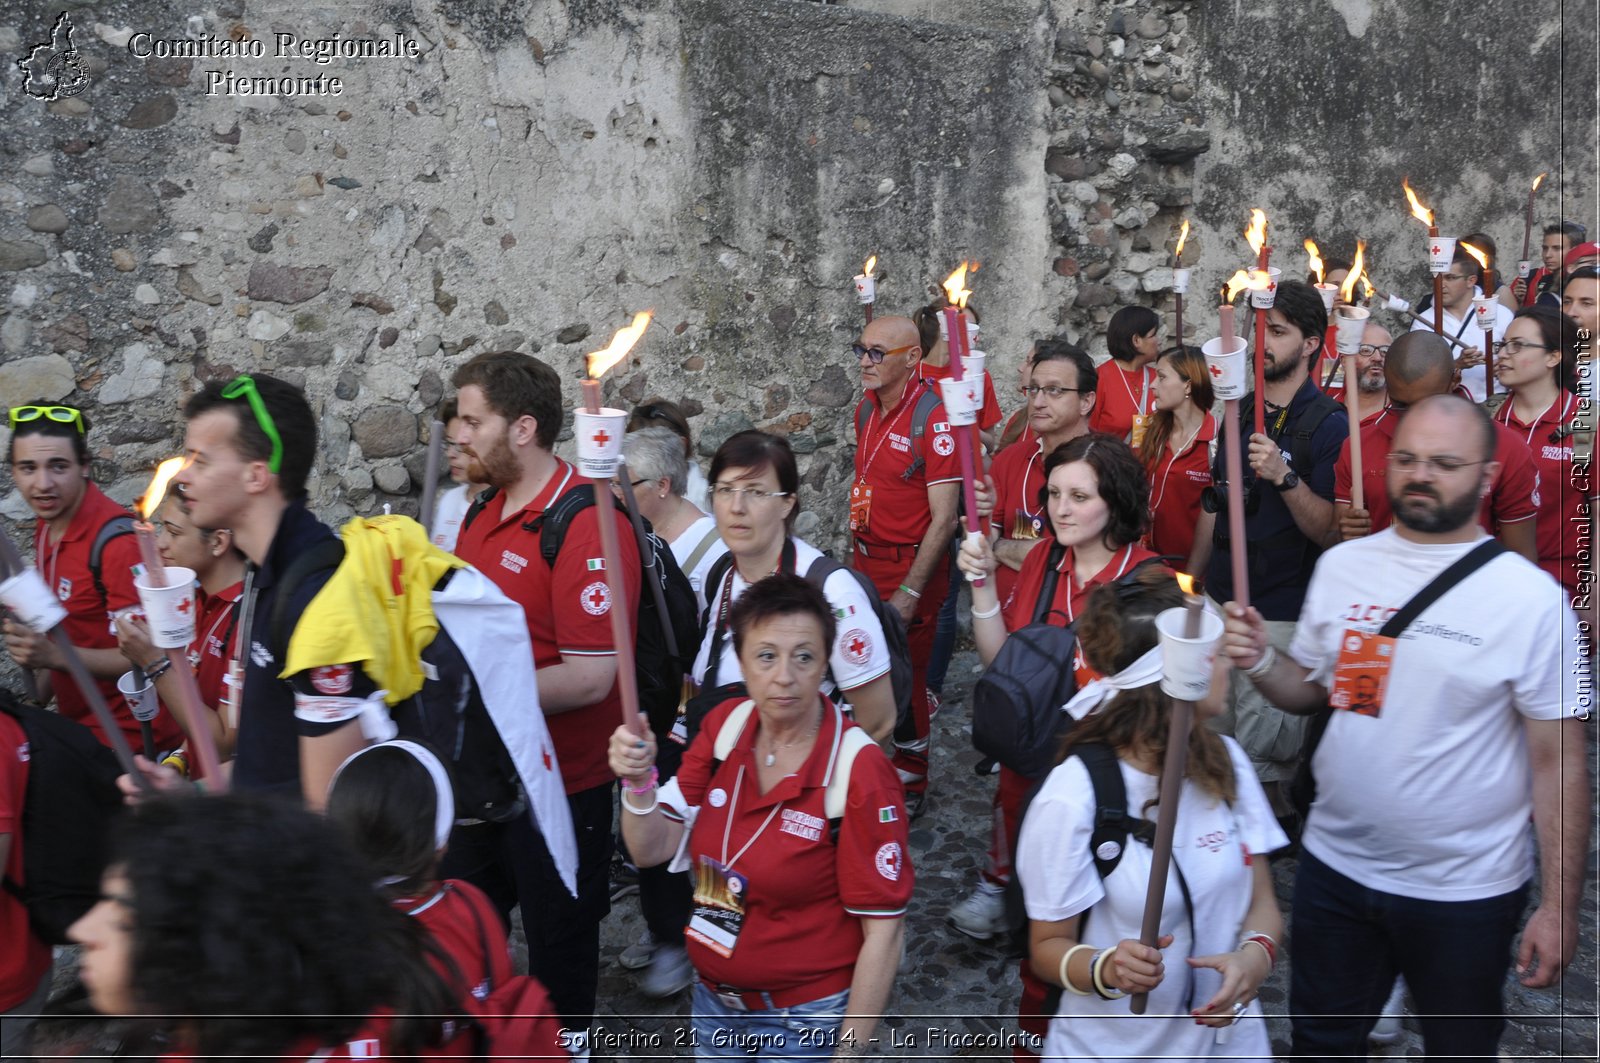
pixel 1290 481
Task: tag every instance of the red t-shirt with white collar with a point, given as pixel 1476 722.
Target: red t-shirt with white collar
pixel 1121 395
pixel 1562 511
pixel 1176 483
pixel 900 468
pixel 1066 605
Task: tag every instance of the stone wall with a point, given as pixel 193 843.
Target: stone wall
pixel 538 172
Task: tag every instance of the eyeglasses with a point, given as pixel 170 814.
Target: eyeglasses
pixel 1367 350
pixel 1405 461
pixel 1051 392
pixel 876 355
pixel 59 414
pixel 616 485
pixel 1516 347
pixel 727 493
pixel 246 386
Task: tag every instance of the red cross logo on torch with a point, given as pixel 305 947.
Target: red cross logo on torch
pixel 1436 249
pixel 1216 371
pixel 184 606
pixel 601 438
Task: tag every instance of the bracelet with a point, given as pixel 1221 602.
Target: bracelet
pixel 987 614
pixel 1261 944
pixel 1263 666
pixel 655 803
pixel 1265 941
pixel 915 594
pixel 153 665
pixel 655 777
pixel 1066 958
pixel 177 761
pixel 1097 973
pixel 159 670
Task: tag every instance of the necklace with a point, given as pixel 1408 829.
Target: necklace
pixel 772 751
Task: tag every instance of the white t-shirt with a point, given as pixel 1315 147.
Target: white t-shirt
pixel 860 652
pixel 1214 844
pixel 1431 798
pixel 448 514
pixel 686 543
pixel 696 489
pixel 1470 334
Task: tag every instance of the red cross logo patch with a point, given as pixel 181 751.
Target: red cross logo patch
pixel 943 445
pixel 595 599
pixel 601 438
pixel 856 646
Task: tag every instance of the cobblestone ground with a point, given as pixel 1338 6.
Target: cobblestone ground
pixel 955 994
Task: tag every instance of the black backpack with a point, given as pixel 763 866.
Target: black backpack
pixel 664 643
pixel 447 714
pixel 894 637
pixel 1016 703
pixel 67 808
pixel 115 528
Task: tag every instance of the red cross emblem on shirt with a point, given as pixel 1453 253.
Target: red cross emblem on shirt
pixel 601 438
pixel 856 646
pixel 598 598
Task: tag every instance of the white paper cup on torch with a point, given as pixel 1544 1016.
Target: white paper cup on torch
pixel 866 288
pixel 1180 281
pixel 1441 250
pixel 958 401
pixel 1226 366
pixel 169 609
pixel 1329 294
pixel 1352 322
pixel 600 442
pixel 140 694
pixel 1186 663
pixel 1262 296
pixel 31 602
pixel 972 329
pixel 1524 268
pixel 1483 306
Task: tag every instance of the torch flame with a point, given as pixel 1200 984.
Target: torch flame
pixel 1183 234
pixel 1347 290
pixel 1418 211
pixel 158 487
pixel 1537 181
pixel 955 285
pixel 621 343
pixel 1186 583
pixel 1237 283
pixel 1257 232
pixel 1316 259
pixel 1483 259
pixel 872 264
pixel 1366 282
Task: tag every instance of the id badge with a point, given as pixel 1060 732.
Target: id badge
pixel 1141 421
pixel 860 507
pixel 234 681
pixel 1026 526
pixel 1361 674
pixel 718 915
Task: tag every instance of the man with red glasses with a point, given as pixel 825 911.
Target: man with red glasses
pixel 83 548
pixel 903 509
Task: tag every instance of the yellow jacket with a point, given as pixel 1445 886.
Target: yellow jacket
pixel 377 609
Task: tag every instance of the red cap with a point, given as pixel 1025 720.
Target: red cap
pixel 1589 250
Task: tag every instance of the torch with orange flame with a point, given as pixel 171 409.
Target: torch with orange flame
pixel 1483 306
pixel 1436 252
pixel 1525 267
pixel 1256 235
pixel 1314 259
pixel 1358 270
pixel 1183 237
pixel 955 325
pixel 1418 211
pixel 1180 281
pixel 867 286
pixel 1352 323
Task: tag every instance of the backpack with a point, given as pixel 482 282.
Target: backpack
pixel 894 637
pixel 663 651
pixel 515 1019
pixel 1016 703
pixel 115 528
pixel 70 801
pixel 448 713
pixel 930 397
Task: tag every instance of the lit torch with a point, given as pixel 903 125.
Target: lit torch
pixel 1180 280
pixel 1352 323
pixel 1525 266
pixel 599 437
pixel 167 597
pixel 1256 235
pixel 1440 251
pixel 1329 293
pixel 867 286
pixel 1483 305
pixel 963 416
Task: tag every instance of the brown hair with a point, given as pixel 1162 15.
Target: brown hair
pixel 1189 364
pixel 517 385
pixel 663 413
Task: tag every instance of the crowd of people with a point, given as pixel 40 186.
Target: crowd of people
pixel 350 896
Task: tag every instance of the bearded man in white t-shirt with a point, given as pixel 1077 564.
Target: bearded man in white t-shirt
pixel 1417 852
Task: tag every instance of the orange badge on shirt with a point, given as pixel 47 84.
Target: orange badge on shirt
pixel 1361 674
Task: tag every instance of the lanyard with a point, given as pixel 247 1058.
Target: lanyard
pixel 1533 423
pixel 727 826
pixel 1144 389
pixel 907 401
pixel 1172 458
pixel 1127 555
pixel 41 541
pixel 1022 493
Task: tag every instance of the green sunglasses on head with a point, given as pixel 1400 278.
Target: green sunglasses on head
pixel 59 414
pixel 245 386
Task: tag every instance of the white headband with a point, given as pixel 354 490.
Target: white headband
pixel 1140 673
pixel 444 815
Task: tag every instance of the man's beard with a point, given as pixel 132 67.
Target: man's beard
pixel 1371 382
pixel 1439 515
pixel 1275 371
pixel 496 466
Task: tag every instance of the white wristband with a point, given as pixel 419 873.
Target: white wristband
pixel 987 614
pixel 655 803
pixel 1264 665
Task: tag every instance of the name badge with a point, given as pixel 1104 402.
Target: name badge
pixel 718 915
pixel 1361 673
pixel 1141 421
pixel 860 506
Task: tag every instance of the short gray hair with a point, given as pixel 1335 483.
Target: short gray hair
pixel 652 453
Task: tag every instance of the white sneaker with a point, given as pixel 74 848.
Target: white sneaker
pixel 669 973
pixel 640 953
pixel 1388 1029
pixel 982 914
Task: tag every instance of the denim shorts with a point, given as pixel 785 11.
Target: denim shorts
pixel 805 1031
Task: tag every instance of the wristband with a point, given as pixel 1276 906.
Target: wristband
pixel 655 777
pixel 1263 947
pixel 177 761
pixel 1097 973
pixel 1268 946
pixel 655 803
pixel 1263 666
pixel 915 594
pixel 987 614
pixel 1066 960
pixel 152 674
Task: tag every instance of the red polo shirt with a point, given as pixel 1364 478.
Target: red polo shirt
pixel 464 923
pixel 1121 394
pixel 1562 512
pixel 899 470
pixel 65 568
pixel 1337 395
pixel 1018 474
pixel 989 415
pixel 1514 496
pixel 1176 483
pixel 567 607
pixel 25 958
pixel 806 893
pixel 1070 597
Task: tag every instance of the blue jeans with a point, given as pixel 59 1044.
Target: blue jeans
pixel 944 632
pixel 1350 941
pixel 805 1031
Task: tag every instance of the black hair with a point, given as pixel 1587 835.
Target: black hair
pixel 291 416
pixel 1120 480
pixel 255 927
pixel 1558 332
pixel 1302 307
pixel 44 426
pixel 1059 350
pixel 781 595
pixel 1127 323
pixel 1330 266
pixel 755 450
pixel 1572 230
pixel 663 413
pixel 1582 273
pixel 448 411
pixel 384 802
pixel 517 385
pixel 926 318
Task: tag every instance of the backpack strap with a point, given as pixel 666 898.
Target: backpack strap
pixel 115 528
pixel 477 506
pixel 721 570
pixel 325 556
pixel 732 727
pixel 700 549
pixel 837 793
pixel 920 413
pixel 1047 586
pixel 1305 427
